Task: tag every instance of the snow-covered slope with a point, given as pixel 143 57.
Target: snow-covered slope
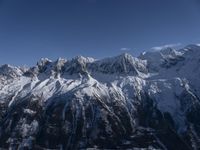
pixel 120 102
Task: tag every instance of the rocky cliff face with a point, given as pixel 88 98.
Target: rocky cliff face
pixel 122 102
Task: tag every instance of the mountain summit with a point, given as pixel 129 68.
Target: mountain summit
pixel 121 102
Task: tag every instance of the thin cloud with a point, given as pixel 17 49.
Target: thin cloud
pixel 125 49
pixel 158 48
pixel 198 44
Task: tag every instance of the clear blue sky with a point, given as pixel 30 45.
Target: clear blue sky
pixel 31 29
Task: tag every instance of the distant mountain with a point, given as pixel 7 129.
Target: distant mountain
pixel 122 102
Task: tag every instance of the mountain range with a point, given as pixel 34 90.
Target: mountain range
pixel 147 102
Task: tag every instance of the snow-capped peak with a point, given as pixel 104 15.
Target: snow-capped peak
pixel 10 71
pixel 122 64
pixel 43 61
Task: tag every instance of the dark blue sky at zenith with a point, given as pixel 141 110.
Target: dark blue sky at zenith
pixel 31 29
